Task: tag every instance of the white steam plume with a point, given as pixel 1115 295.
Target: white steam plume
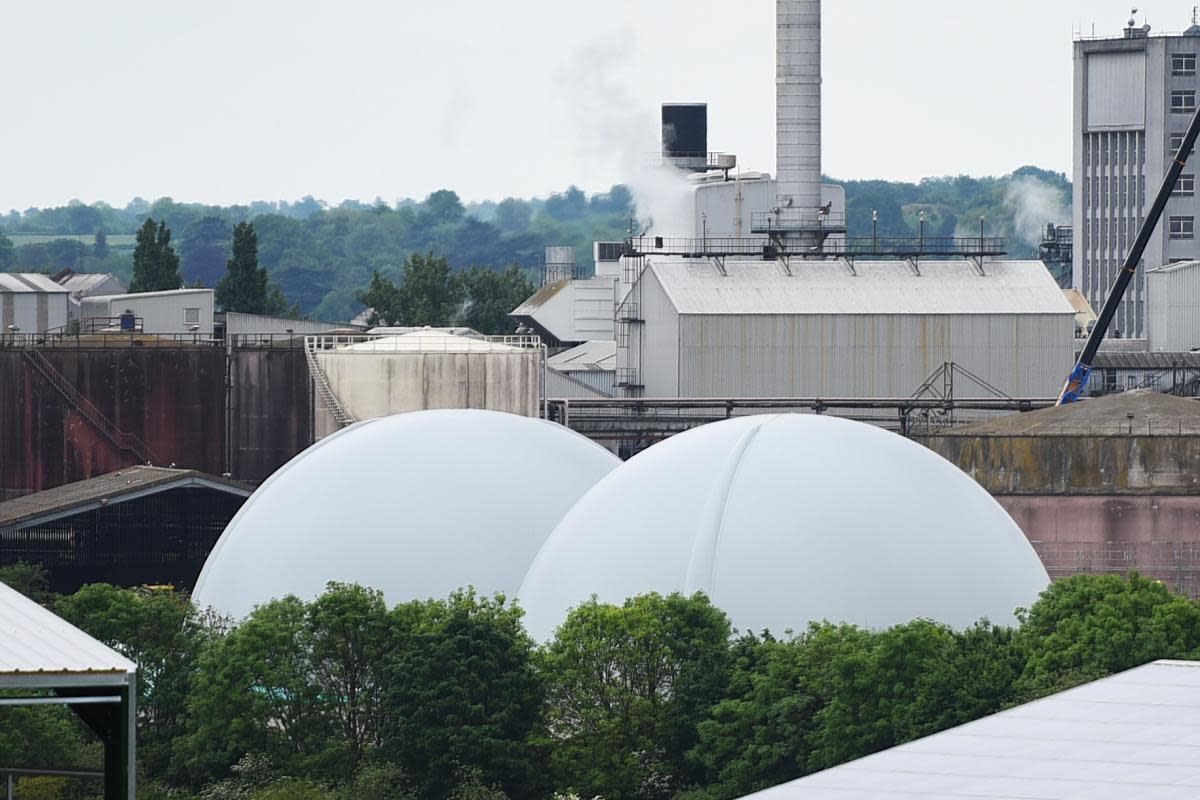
pixel 1035 203
pixel 612 124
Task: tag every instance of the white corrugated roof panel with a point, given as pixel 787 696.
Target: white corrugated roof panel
pixel 1131 735
pixel 593 356
pixel 36 641
pixel 29 282
pixel 696 286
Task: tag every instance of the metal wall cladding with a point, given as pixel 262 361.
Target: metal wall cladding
pixel 1173 308
pixel 577 385
pixel 172 398
pixel 1116 90
pixel 880 355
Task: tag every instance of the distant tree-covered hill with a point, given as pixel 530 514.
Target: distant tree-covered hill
pixel 323 256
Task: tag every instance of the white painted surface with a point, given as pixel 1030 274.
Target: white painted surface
pixel 34 640
pixel 1131 735
pixel 416 505
pixel 787 519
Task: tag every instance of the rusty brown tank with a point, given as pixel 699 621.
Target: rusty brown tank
pixel 1106 485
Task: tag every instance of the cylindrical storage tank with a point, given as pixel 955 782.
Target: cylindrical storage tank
pixel 798 102
pixel 685 135
pixel 430 369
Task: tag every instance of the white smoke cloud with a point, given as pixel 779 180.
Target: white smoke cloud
pixel 612 123
pixel 1035 203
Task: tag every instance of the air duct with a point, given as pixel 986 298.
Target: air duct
pixel 798 103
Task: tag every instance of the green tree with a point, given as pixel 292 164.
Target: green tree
pixel 759 734
pixel 8 254
pixel 155 264
pixel 463 694
pixel 160 631
pixel 430 295
pixel 349 636
pixel 628 687
pixel 254 693
pixel 491 295
pixel 1088 626
pixel 383 298
pixel 100 245
pixel 245 286
pixel 28 579
pixel 513 215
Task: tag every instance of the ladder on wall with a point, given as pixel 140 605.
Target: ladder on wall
pixel 340 413
pixel 126 442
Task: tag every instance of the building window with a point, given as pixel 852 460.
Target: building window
pixel 1183 101
pixel 1176 143
pixel 1185 186
pixel 1183 64
pixel 191 316
pixel 1182 227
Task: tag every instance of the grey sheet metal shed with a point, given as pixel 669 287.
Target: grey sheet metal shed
pixel 41 652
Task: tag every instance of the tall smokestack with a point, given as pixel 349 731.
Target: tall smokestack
pixel 798 102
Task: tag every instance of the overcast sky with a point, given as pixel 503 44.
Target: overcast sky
pixel 227 101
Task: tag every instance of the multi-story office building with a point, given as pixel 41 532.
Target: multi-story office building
pixel 1134 96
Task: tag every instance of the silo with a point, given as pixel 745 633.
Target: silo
pixel 375 376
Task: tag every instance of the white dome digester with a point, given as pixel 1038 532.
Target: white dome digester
pixel 417 505
pixel 787 519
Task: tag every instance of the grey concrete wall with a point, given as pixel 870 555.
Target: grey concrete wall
pixel 378 384
pixel 1103 463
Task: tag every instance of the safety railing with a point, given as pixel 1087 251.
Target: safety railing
pixel 417 342
pixel 108 339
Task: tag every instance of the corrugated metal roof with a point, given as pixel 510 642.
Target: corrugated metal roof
pixel 35 641
pixel 539 298
pixel 696 286
pixel 112 487
pixel 1178 266
pixel 1132 735
pixel 29 282
pixel 81 284
pixel 594 356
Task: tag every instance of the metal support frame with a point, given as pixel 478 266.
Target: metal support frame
pixel 107 705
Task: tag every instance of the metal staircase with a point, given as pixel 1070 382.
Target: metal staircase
pixel 340 413
pixel 126 442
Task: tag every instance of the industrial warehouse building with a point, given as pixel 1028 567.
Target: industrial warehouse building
pixel 833 328
pixel 140 525
pixel 177 311
pixel 31 303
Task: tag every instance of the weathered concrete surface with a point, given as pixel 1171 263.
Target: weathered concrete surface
pixel 373 385
pixel 1135 442
pixel 1159 536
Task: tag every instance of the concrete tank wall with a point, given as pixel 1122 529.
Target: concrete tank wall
pixel 172 398
pixel 378 384
pixel 1107 462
